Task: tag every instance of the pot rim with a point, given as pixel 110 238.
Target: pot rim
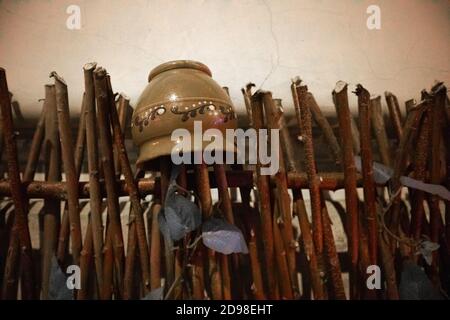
pixel 179 64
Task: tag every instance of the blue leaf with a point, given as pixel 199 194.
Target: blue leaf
pixel 415 284
pixel 58 283
pixel 223 237
pixel 381 173
pixel 156 294
pixel 179 215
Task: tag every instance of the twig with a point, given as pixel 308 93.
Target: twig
pixel 355 135
pixel 333 258
pixel 351 197
pixel 108 262
pixel 273 115
pixel 10 285
pixel 280 253
pixel 394 112
pixel 325 126
pixel 182 252
pixel 287 143
pixel 247 93
pixel 175 283
pixel 438 101
pixel 257 286
pixel 136 208
pixel 262 184
pixel 311 171
pixel 87 250
pixel 79 154
pixel 367 164
pixel 20 216
pixel 404 148
pixel 387 261
pixel 364 259
pixel 130 258
pixel 379 130
pixel 203 190
pixel 300 205
pixel 323 237
pixel 409 104
pixel 96 225
pixel 155 248
pixel 382 223
pixel 308 244
pixel 420 173
pixel 86 263
pixel 389 269
pixel 62 105
pixel 146 186
pixel 165 167
pixel 123 106
pixel 103 102
pixel 296 83
pixel 35 148
pixel 52 207
pixel 81 137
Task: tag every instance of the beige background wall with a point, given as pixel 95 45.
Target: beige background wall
pixel 266 42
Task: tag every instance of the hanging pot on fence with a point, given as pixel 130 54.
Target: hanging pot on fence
pixel 179 93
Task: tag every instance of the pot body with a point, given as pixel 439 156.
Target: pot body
pixel 177 94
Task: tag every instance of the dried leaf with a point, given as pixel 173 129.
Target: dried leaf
pixel 436 189
pixel 156 294
pixel 381 173
pixel 426 249
pixel 223 237
pixel 415 285
pixel 179 215
pixel 58 283
pixel 182 215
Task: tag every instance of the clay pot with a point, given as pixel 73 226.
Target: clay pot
pixel 177 94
